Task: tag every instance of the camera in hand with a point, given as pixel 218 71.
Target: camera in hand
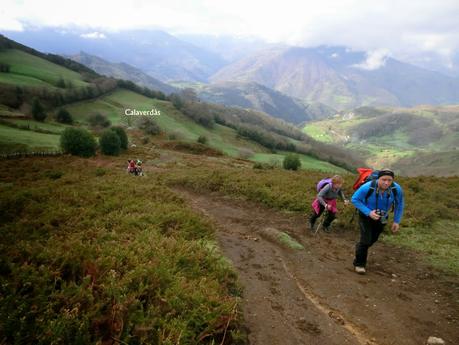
pixel 383 216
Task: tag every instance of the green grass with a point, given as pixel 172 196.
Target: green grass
pixel 317 133
pixel 23 80
pixel 388 150
pixel 288 241
pixel 172 121
pixel 84 261
pixel 6 111
pixel 307 162
pixel 54 127
pixel 81 111
pixel 440 242
pixel 11 138
pixel 24 64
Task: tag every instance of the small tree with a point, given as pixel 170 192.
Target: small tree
pixel 122 135
pixel 110 143
pixel 78 141
pixel 38 113
pixel 63 116
pixel 291 162
pixel 5 68
pixel 98 120
pixel 61 83
pixel 149 126
pixel 176 100
pixel 202 139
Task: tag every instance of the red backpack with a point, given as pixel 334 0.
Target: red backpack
pixel 365 175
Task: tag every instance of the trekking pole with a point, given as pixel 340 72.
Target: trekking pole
pixel 322 219
pixel 353 216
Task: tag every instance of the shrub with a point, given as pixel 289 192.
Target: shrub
pixel 110 143
pixel 263 166
pixel 61 83
pixel 291 162
pixel 5 68
pixel 38 113
pixel 174 136
pixel 98 120
pixel 149 126
pixel 202 139
pixel 245 153
pixel 122 135
pixel 63 116
pixel 100 172
pixel 78 142
pixel 177 102
pixel 54 175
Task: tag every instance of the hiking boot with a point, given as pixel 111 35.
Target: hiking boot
pixel 311 225
pixel 360 269
pixel 327 228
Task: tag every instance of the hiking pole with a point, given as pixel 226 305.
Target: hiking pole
pixel 322 219
pixel 353 216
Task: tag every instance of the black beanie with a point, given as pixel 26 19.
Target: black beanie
pixel 386 172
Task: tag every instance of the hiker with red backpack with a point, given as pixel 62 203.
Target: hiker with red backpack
pixel 376 194
pixel 329 189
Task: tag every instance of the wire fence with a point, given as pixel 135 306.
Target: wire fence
pixel 12 155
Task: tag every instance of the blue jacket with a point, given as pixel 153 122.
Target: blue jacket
pixel 381 199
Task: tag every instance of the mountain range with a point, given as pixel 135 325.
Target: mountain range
pixel 337 77
pixel 156 52
pixel 256 96
pixel 122 71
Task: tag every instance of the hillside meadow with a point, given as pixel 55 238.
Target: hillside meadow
pixel 90 254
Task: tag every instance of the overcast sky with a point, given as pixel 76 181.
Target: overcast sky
pixel 402 28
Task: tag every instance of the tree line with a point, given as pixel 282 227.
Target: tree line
pixel 267 131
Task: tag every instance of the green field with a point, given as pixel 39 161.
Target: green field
pixel 173 122
pixel 23 80
pixel 316 132
pixel 54 127
pixel 396 149
pixel 170 120
pixel 307 162
pixel 11 138
pixel 27 69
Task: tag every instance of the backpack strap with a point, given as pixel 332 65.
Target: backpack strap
pixel 393 190
pixel 370 190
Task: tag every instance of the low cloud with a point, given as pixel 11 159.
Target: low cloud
pixel 94 36
pixel 375 60
pixel 408 28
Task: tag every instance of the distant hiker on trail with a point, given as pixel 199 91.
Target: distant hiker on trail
pixel 374 199
pixel 139 168
pixel 329 189
pixel 132 167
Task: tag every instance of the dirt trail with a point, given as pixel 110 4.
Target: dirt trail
pixel 312 296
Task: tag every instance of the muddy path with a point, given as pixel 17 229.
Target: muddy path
pixel 312 296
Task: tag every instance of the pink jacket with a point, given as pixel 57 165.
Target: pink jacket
pixel 332 202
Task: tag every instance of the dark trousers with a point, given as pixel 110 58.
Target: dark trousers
pixel 328 219
pixel 369 233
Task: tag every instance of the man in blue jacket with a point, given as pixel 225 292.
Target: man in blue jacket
pixel 374 200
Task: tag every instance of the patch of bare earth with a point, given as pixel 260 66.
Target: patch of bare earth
pixel 312 296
